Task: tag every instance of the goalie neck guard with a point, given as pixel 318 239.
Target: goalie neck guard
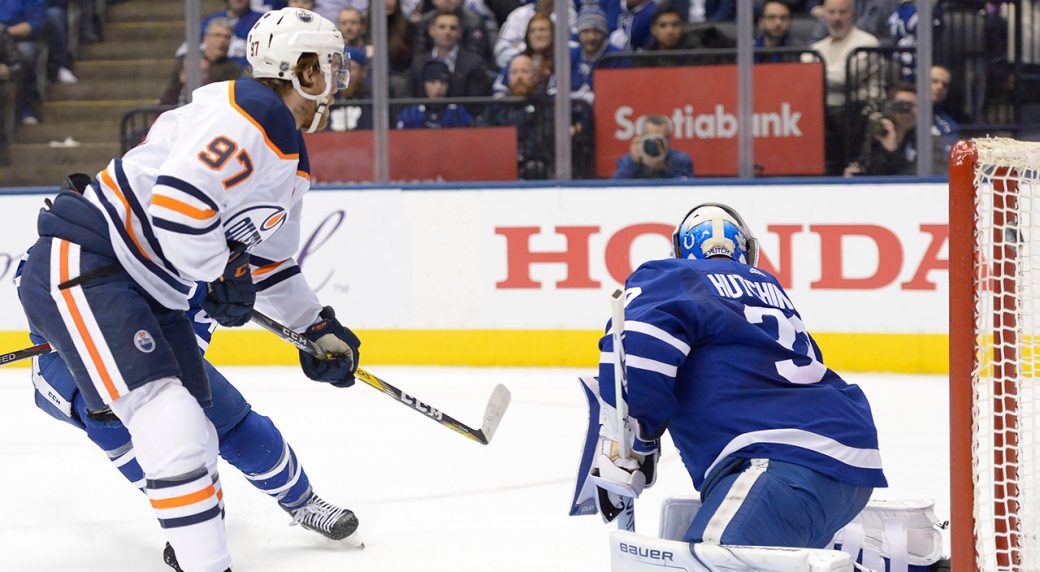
pixel 714 229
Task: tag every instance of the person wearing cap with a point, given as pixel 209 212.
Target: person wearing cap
pixel 435 78
pixel 592 46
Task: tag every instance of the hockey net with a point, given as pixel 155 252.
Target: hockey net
pixel 994 300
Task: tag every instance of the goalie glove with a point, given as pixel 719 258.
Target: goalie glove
pixel 624 476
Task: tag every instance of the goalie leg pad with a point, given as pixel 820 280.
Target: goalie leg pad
pixel 893 535
pixel 763 502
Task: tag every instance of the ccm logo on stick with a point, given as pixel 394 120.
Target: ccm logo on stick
pixel 652 553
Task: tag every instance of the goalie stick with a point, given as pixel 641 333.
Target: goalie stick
pixel 627 518
pixel 493 412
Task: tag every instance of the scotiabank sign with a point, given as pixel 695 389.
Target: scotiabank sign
pixel 701 104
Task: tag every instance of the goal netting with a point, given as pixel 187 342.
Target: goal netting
pixel 995 187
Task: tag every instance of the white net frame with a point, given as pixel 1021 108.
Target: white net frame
pixel 1005 405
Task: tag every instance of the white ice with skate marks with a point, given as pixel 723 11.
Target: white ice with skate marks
pixel 427 498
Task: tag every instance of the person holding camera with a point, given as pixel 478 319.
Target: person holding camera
pixel 651 155
pixel 890 148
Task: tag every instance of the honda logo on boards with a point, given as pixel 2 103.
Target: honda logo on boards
pixel 832 274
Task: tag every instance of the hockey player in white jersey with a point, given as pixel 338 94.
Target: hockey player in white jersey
pixel 781 449
pixel 216 186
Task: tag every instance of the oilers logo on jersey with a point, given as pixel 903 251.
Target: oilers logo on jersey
pixel 253 225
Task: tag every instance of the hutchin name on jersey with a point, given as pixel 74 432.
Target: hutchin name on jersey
pixel 736 286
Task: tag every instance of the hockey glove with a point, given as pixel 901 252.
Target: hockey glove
pixel 624 476
pixel 229 299
pixel 340 347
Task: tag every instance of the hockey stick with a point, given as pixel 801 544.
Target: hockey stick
pixel 26 353
pixel 493 412
pixel 627 518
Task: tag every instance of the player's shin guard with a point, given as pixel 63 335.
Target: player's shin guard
pixel 256 447
pixel 174 444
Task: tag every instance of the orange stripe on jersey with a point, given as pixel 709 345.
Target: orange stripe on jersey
pixel 303 174
pixel 265 269
pixel 183 208
pixel 81 327
pixel 277 151
pixel 184 500
pixel 107 179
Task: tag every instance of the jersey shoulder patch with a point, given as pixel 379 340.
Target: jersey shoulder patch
pixel 268 113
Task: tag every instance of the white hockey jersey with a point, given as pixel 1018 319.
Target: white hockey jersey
pixel 231 165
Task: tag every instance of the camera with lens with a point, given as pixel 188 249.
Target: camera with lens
pixel 875 112
pixel 654 146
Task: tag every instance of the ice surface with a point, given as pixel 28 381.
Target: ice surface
pixel 427 498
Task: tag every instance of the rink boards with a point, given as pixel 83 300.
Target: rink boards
pixel 521 276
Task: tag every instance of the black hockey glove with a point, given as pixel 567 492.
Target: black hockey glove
pixel 340 346
pixel 229 299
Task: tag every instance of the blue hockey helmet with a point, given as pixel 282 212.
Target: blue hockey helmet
pixel 714 229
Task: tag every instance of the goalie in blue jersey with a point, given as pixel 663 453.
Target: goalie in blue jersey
pixel 781 449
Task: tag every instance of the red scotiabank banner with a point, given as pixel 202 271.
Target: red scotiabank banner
pixel 701 102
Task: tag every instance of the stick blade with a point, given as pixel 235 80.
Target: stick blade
pixel 496 408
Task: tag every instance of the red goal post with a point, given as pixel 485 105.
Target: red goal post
pixel 994 405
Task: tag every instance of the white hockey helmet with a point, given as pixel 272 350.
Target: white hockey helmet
pixel 280 37
pixel 714 229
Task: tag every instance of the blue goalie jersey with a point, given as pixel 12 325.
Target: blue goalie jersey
pixel 717 355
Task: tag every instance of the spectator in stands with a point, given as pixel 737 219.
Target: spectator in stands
pixel 266 5
pixel 629 22
pixel 400 33
pixel 242 17
pixel 534 128
pixel 592 46
pixel 510 40
pixel 843 38
pixel 330 9
pixel 24 20
pixel 215 63
pixel 346 117
pixel 890 148
pixel 774 31
pixel 901 32
pixel 468 75
pixel 538 44
pixel 10 65
pixel 56 26
pixel 650 154
pixel 944 123
pixel 435 114
pixel 945 130
pixel 668 33
pixel 872 17
pixel 474 36
pixel 697 11
pixel 354 27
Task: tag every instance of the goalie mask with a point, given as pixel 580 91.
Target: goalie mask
pixel 714 229
pixel 280 37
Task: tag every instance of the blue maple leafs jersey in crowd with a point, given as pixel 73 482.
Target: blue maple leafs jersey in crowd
pixel 717 355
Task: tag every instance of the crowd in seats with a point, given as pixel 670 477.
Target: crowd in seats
pixel 442 50
pixel 39 31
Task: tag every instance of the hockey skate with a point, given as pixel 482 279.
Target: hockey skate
pixel 170 558
pixel 327 520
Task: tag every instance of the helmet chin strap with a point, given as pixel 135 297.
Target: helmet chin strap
pixel 322 100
